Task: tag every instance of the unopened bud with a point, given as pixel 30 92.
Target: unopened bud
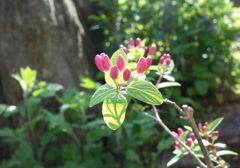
pixel 145 49
pixel 141 65
pixel 176 144
pixel 215 135
pixel 211 147
pixel 149 62
pixel 106 63
pixel 161 60
pixel 126 74
pixel 192 136
pixel 99 63
pixel 174 134
pixel 114 72
pixel 138 42
pixel 204 129
pixel 120 62
pixel 131 43
pixel 168 61
pixel 179 131
pixel 166 56
pixel 200 127
pixel 189 142
pixel 206 124
pixel 123 48
pixel 152 50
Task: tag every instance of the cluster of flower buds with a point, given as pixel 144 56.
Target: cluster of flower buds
pixel 165 60
pixel 103 64
pixel 189 141
pixel 131 45
pixel 118 68
pixel 143 64
pixel 203 129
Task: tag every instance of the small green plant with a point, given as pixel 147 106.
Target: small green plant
pixel 125 76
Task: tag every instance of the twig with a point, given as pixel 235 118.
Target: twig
pixel 159 121
pixel 189 117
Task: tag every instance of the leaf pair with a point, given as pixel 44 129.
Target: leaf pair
pixel 115 103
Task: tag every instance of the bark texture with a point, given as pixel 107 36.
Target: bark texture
pixel 48 36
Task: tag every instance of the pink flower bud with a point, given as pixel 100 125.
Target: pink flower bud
pixel 192 136
pixel 204 129
pixel 123 48
pixel 215 135
pixel 179 131
pixel 189 142
pixel 168 61
pixel 145 49
pixel 152 50
pixel 149 62
pixel 114 72
pixel 126 74
pixel 174 134
pixel 106 63
pixel 120 62
pixel 211 147
pixel 138 42
pixel 200 127
pixel 166 56
pixel 176 144
pixel 131 43
pixel 99 63
pixel 161 60
pixel 206 124
pixel 141 65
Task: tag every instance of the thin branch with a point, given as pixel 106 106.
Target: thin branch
pixel 189 116
pixel 159 121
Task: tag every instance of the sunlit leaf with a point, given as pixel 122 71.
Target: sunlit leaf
pixel 101 94
pixel 146 92
pixel 174 159
pixel 226 152
pixel 114 109
pixel 167 84
pixel 214 125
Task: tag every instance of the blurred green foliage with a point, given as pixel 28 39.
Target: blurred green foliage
pixel 198 34
pixel 70 137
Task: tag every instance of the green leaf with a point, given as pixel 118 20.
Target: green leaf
pixel 7 110
pixel 169 78
pixel 101 94
pixel 116 54
pixel 214 125
pixel 146 92
pixel 174 159
pixel 219 145
pixel 226 152
pixel 188 128
pixel 201 86
pixel 167 84
pixel 114 109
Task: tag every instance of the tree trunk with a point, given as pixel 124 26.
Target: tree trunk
pixel 46 35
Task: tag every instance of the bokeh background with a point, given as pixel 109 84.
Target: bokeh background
pixel 50 46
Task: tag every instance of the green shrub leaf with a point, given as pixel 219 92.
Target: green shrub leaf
pixel 214 125
pixel 226 152
pixel 167 84
pixel 114 109
pixel 101 94
pixel 175 159
pixel 146 92
pixel 201 86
